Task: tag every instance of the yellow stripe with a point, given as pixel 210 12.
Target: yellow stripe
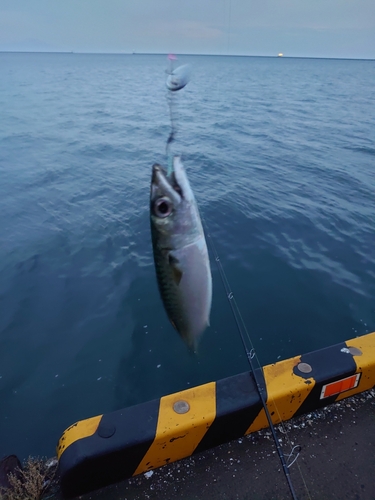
pixel 285 393
pixel 177 435
pixel 365 364
pixel 79 430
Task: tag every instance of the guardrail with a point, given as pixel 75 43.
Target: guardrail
pixel 107 448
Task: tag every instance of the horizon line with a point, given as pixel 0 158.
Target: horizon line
pixel 181 54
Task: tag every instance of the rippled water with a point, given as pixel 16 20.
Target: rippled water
pixel 281 156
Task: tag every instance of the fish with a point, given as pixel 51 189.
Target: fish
pixel 180 252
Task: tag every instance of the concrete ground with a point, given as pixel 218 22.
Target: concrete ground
pixel 336 461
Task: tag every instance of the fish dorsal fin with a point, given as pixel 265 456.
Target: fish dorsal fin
pixel 176 269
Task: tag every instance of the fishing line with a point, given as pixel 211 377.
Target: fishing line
pixel 298 448
pixel 257 375
pixel 171 102
pixel 171 138
pixel 177 80
pixel 250 353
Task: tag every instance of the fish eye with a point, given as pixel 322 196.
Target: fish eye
pixel 163 207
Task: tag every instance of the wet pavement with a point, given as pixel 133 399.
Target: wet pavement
pixel 336 461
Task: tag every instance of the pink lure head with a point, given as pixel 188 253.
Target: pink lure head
pixel 172 57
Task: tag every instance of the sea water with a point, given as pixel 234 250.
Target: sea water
pixel 281 156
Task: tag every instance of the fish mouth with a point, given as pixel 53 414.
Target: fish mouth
pixel 160 177
pixel 163 184
pixel 157 170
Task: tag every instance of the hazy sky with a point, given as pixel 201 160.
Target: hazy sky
pixel 315 28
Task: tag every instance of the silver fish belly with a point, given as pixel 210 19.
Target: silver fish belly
pixel 180 252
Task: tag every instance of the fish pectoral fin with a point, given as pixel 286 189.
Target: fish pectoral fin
pixel 176 269
pixel 177 275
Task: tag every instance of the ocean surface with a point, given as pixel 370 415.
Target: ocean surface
pixel 281 156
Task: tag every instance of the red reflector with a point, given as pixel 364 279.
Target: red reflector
pixel 340 386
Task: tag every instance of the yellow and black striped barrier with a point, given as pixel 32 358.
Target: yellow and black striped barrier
pixel 102 450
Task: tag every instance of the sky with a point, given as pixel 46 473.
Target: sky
pixel 297 28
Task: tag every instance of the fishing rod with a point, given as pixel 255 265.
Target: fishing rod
pixel 176 80
pixel 258 377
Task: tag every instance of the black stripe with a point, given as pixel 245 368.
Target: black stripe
pixel 328 365
pixel 112 453
pixel 237 405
